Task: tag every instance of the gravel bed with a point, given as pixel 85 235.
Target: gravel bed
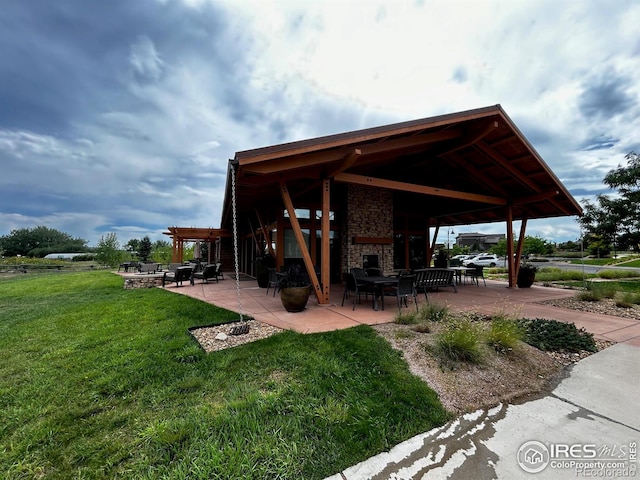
pixel 206 336
pixel 605 306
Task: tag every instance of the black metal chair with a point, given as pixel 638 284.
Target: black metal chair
pixel 274 281
pixel 475 274
pixel 351 285
pixel 406 287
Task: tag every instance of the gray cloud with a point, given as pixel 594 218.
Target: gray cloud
pixel 607 96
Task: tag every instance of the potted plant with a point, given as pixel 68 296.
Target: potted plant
pixel 263 264
pixel 294 289
pixel 526 275
pixel 441 260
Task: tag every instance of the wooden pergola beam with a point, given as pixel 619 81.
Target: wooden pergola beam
pixel 265 232
pixel 297 231
pixel 414 188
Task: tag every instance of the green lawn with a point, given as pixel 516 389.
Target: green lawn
pixel 101 382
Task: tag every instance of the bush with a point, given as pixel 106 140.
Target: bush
pixel 406 318
pixel 503 334
pixel 433 312
pixel 459 341
pixel 627 299
pixel 552 335
pixel 612 274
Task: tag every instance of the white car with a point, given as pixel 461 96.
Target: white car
pixel 484 260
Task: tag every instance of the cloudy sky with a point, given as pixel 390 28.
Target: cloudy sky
pixel 120 115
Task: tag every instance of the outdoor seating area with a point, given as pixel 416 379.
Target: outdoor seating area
pixel 496 298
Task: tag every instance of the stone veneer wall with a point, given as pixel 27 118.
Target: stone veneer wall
pixel 369 214
pixel 146 281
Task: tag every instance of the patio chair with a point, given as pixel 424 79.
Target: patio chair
pixel 219 274
pixel 351 285
pixel 178 276
pixel 374 272
pixel 274 281
pixel 208 272
pixel 475 274
pixel 406 287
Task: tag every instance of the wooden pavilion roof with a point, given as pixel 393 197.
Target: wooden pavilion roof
pixel 193 234
pixel 456 169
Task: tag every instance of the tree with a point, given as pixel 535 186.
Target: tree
pixel 531 246
pixel 108 251
pixel 39 241
pixel 144 249
pixel 615 220
pixel 161 252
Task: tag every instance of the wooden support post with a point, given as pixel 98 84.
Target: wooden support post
pixel 297 231
pixel 266 234
pixel 433 243
pixel 325 228
pixel 174 250
pixel 518 255
pixel 510 259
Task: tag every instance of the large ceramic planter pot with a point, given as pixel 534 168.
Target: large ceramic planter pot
pixel 294 299
pixel 262 275
pixel 525 278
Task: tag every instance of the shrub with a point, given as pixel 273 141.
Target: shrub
pixel 433 312
pixel 423 327
pixel 589 295
pixel 552 335
pixel 612 274
pixel 503 334
pixel 406 318
pixel 627 299
pixel 459 341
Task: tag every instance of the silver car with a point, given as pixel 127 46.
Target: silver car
pixel 484 260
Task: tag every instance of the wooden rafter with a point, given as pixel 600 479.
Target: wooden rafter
pixel 414 188
pixel 348 162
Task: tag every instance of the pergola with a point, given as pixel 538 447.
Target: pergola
pixel 463 168
pixel 180 235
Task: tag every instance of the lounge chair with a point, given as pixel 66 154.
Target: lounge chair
pixel 178 276
pixel 209 272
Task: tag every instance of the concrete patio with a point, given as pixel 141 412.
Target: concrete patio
pixel 494 298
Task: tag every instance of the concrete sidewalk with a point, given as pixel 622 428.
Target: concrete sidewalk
pixel 588 426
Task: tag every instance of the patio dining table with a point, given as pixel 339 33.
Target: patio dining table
pixel 378 283
pixel 459 271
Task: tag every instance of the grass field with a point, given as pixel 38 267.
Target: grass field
pixel 101 382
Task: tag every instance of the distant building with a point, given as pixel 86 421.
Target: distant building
pixel 62 256
pixel 480 242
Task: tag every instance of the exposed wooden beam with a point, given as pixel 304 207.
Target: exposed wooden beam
pixel 535 198
pixel 421 189
pixel 266 234
pixel 518 255
pixel 348 162
pixel 474 138
pixel 297 231
pixel 318 158
pixel 506 165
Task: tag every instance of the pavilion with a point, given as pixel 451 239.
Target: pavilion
pixel 380 195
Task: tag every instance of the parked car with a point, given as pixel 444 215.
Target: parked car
pixel 461 257
pixel 484 260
